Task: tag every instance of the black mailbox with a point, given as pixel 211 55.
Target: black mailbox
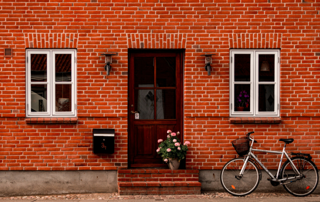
pixel 103 141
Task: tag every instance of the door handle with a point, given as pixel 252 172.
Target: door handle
pixel 133 112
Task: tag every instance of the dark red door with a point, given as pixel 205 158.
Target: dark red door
pixel 155 104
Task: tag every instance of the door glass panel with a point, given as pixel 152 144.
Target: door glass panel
pixel 38 98
pixel 63 98
pixel 242 97
pixel 144 100
pixel 266 97
pixel 266 67
pixel 166 71
pixel 166 104
pixel 63 67
pixel 143 71
pixel 242 67
pixel 38 67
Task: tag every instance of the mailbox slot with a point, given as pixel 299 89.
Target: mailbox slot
pixel 103 141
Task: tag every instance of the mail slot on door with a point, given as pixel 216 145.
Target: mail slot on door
pixel 103 141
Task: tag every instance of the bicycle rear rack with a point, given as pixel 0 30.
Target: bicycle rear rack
pixel 307 156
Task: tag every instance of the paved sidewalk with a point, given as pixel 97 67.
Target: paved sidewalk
pixel 205 197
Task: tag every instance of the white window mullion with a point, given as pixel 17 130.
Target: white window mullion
pixel 50 83
pixel 252 83
pixel 256 85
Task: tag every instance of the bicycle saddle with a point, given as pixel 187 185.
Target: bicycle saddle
pixel 287 141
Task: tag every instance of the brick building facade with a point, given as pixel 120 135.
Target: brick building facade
pixel 190 27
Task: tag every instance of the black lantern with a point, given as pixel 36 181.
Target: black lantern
pixel 208 61
pixel 107 67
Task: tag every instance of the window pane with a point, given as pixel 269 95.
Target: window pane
pixel 166 71
pixel 143 71
pixel 63 97
pixel 38 67
pixel 38 98
pixel 63 67
pixel 266 67
pixel 144 103
pixel 266 97
pixel 166 104
pixel 242 97
pixel 242 67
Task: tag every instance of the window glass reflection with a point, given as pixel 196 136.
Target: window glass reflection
pixel 166 71
pixel 266 67
pixel 266 97
pixel 63 67
pixel 38 98
pixel 143 71
pixel 242 97
pixel 38 67
pixel 63 97
pixel 242 67
pixel 166 104
pixel 144 103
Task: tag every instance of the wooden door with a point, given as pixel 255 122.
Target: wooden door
pixel 155 104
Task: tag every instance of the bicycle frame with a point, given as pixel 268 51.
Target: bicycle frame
pixel 283 152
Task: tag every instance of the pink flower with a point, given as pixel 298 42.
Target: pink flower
pixel 158 149
pixel 174 140
pixel 168 136
pixel 165 160
pixel 186 143
pixel 178 132
pixel 160 140
pixel 173 134
pixel 168 150
pixel 169 131
pixel 177 144
pixel 179 148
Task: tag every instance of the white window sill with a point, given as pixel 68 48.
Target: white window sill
pixel 256 120
pixel 61 120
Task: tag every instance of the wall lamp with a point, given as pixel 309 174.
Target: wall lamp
pixel 107 67
pixel 208 61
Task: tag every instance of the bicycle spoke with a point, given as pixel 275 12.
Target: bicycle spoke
pixel 304 185
pixel 242 185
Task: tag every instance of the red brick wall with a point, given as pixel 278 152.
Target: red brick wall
pixel 98 26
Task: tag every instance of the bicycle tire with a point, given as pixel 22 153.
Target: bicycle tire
pixel 246 184
pixel 304 186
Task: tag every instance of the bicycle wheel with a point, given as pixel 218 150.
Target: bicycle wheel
pixel 236 185
pixel 307 184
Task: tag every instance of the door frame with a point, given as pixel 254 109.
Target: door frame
pixel 179 93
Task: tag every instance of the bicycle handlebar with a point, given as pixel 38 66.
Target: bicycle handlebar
pixel 248 135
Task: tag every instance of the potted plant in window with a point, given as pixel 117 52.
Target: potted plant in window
pixel 171 150
pixel 243 100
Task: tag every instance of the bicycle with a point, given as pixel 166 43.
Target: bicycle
pixel 241 176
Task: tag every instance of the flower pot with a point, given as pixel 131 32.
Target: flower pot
pixel 240 108
pixel 173 164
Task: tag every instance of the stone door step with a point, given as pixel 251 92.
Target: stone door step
pixel 158 182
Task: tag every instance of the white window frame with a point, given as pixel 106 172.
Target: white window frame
pixel 254 83
pixel 51 111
